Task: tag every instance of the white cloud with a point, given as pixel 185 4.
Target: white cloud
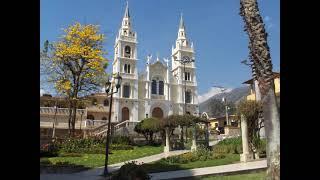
pixel 213 91
pixel 41 92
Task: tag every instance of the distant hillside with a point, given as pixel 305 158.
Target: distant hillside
pixel 233 97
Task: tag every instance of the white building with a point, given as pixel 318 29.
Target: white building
pixel 158 91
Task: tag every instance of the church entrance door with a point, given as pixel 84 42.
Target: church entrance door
pixel 125 114
pixel 157 113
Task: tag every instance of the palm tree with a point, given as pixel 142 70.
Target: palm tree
pixel 262 72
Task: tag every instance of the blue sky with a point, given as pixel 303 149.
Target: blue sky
pixel 214 26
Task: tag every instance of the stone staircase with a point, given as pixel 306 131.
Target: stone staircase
pixel 125 128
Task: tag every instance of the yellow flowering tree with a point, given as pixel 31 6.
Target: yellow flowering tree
pixel 76 64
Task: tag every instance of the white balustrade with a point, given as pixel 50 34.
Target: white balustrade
pixel 61 111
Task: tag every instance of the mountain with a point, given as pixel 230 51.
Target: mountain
pixel 233 97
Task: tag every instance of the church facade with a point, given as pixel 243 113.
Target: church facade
pixel 162 88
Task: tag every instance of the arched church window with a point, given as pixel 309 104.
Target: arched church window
pixel 126 91
pixel 187 76
pixel 125 68
pixel 161 87
pixel 129 69
pixel 188 96
pixel 127 51
pixel 154 87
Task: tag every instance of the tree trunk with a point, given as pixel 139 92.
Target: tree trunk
pixel 181 137
pixel 74 116
pixel 186 134
pixel 70 118
pixel 262 71
pixel 272 130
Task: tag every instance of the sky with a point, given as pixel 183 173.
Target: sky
pixel 214 26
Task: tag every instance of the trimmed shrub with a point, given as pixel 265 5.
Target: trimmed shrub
pixel 79 145
pixel 131 171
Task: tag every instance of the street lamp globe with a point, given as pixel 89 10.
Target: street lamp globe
pixel 107 86
pixel 118 80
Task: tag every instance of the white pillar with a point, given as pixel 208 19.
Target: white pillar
pixel 167 146
pixel 246 155
pixel 194 139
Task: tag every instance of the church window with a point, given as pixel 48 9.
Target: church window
pixel 160 87
pixel 126 91
pixel 154 87
pixel 188 96
pixel 127 51
pixel 187 76
pixel 125 68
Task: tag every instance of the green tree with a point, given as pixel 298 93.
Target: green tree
pixel 262 72
pixel 148 127
pixel 251 110
pixel 75 65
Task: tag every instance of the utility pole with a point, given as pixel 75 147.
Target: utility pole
pixel 224 100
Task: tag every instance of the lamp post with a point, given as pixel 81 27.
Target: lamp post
pixel 109 85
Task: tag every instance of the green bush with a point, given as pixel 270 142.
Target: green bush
pixel 79 145
pixel 73 146
pixel 49 150
pixel 131 171
pixel 218 156
pixel 62 154
pixel 231 141
pixel 222 149
pixel 45 161
pixel 189 157
pixel 203 153
pixel 122 140
pixel 121 147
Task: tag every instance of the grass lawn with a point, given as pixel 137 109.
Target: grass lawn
pixel 249 176
pixel 160 166
pixel 97 160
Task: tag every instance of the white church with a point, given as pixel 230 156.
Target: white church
pixel 158 91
